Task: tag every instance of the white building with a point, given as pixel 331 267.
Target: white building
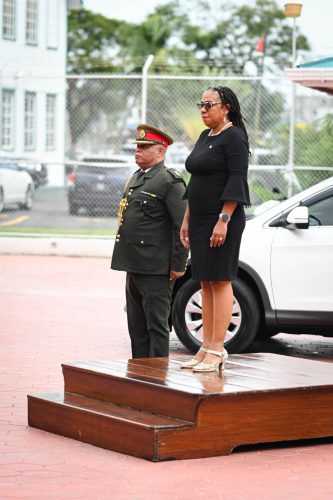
pixel 33 47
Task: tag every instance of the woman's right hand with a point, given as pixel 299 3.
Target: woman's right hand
pixel 184 234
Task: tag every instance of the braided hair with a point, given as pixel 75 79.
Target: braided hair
pixel 228 97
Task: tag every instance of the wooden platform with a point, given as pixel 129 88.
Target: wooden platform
pixel 152 409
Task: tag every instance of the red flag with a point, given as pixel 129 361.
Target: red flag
pixel 261 45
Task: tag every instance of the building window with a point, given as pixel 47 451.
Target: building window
pixel 8 19
pixel 7 119
pixel 52 26
pixel 30 108
pixel 31 22
pixel 51 101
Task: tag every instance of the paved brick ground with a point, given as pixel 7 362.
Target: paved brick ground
pixel 56 309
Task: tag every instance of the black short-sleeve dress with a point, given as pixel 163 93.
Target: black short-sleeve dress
pixel 218 166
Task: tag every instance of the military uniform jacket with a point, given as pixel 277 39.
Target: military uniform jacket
pixel 148 241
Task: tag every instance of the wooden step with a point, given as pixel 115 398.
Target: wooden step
pixel 159 385
pixel 259 398
pixel 156 385
pixel 106 425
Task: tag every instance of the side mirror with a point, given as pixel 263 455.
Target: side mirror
pixel 298 218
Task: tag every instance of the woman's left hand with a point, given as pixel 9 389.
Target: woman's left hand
pixel 219 234
pixel 175 275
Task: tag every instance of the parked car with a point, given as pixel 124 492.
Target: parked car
pixel 38 171
pixel 285 277
pixel 16 185
pixel 97 183
pixel 175 154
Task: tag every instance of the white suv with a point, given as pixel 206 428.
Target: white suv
pixel 285 278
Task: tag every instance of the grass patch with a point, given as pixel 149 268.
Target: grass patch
pixel 43 231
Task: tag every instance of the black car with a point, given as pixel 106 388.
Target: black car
pixel 97 183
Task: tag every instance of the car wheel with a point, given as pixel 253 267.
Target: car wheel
pixel 29 198
pixel 187 317
pixel 2 200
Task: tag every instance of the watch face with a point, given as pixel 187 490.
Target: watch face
pixel 225 217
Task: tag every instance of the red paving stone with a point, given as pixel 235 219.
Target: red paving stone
pixel 61 309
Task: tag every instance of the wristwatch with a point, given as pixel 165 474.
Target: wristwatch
pixel 224 217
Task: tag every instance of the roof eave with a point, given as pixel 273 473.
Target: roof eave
pixel 315 78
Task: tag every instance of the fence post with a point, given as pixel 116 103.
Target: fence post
pixel 145 68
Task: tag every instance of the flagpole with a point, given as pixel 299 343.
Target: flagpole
pixel 292 10
pixel 260 48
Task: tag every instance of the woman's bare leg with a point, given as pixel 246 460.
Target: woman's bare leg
pixel 221 299
pixel 207 318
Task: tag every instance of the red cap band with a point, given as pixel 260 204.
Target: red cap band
pixel 154 137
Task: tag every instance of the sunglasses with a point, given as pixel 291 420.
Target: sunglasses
pixel 207 105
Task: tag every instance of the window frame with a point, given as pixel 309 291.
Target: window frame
pixel 28 30
pixel 30 115
pixel 51 117
pixel 14 11
pixel 11 93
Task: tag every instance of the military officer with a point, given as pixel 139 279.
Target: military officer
pixel 147 244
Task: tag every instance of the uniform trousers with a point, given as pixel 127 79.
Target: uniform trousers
pixel 148 302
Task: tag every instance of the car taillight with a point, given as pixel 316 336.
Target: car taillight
pixel 71 179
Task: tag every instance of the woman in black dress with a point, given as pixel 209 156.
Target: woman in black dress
pixel 214 220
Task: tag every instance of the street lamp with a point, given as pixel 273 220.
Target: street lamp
pixel 292 10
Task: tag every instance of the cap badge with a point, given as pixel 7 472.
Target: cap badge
pixel 142 134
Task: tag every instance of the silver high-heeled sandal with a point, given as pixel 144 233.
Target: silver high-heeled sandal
pixel 212 367
pixel 193 362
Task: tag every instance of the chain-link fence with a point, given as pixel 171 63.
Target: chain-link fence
pixel 103 112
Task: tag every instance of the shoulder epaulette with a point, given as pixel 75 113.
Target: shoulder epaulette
pixel 175 174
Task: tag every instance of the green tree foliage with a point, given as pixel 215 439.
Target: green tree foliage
pixel 314 146
pixel 97 44
pixel 92 41
pixel 227 36
pixel 202 37
pixel 266 20
pixel 317 142
pixel 152 36
pixel 92 48
pixel 182 35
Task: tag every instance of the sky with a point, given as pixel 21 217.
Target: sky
pixel 315 21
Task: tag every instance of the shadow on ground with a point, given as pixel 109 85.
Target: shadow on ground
pixel 303 346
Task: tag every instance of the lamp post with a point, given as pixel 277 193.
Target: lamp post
pixel 292 10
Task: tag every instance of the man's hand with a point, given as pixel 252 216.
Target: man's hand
pixel 174 275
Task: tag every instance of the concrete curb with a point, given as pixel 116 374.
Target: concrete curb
pixel 57 245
